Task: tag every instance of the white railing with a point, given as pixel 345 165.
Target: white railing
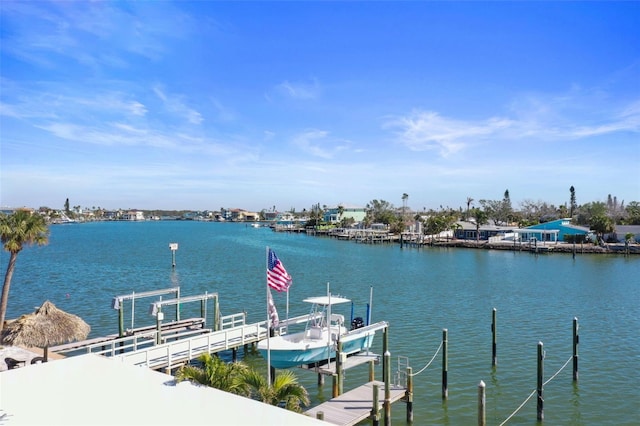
pixel 234 320
pixel 170 354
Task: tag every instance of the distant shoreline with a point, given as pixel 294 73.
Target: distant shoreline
pixel 541 247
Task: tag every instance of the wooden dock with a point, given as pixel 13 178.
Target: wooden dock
pixel 356 405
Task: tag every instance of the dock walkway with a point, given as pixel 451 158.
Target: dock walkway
pixel 356 405
pixel 181 341
pixel 173 354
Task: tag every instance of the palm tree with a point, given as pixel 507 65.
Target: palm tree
pixel 285 389
pixel 17 230
pixel 469 201
pixel 216 373
pixel 405 197
pixel 481 218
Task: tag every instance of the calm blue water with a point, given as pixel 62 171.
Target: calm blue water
pixel 420 292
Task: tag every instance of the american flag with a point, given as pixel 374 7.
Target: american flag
pixel 273 312
pixel 277 277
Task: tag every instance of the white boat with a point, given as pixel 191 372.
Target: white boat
pixel 318 342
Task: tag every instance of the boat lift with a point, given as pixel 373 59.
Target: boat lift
pixel 117 303
pixel 156 309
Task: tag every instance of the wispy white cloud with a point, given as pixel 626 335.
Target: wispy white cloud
pixel 92 34
pixel 46 102
pixel 427 130
pixel 549 119
pixel 318 143
pixel 627 120
pixel 268 135
pixel 299 90
pixel 176 105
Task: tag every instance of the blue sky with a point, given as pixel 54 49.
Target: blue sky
pixel 202 105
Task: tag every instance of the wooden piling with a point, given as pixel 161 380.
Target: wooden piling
pixel 320 415
pixel 334 386
pixel 339 367
pixel 387 389
pixel 216 313
pixel 409 395
pixel 445 364
pixel 121 325
pixel 372 371
pixel 494 339
pixel 375 410
pixel 385 349
pixel 576 341
pixel 482 417
pixel 540 405
pixel 120 321
pixel 159 318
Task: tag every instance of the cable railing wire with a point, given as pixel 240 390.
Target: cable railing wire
pixel 429 363
pixel 518 409
pixel 534 392
pixel 558 372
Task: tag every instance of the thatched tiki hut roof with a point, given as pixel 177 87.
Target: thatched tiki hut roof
pixel 45 327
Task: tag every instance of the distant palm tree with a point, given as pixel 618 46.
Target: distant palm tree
pixel 481 217
pixel 469 201
pixel 405 197
pixel 17 230
pixel 284 390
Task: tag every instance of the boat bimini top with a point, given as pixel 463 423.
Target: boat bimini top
pixel 326 300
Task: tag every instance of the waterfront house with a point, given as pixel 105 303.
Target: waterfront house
pixel 555 230
pixel 467 231
pixel 270 215
pixel 133 215
pixel 238 215
pixel 621 231
pixel 332 215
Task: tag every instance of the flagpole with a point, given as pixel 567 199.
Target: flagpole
pixel 370 305
pixel 268 325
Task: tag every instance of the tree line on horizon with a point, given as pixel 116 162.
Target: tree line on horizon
pixel 599 216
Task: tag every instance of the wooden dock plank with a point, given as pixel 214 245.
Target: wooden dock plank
pixel 354 406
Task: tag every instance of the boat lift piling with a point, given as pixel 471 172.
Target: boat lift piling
pixel 494 343
pixel 156 310
pixel 117 303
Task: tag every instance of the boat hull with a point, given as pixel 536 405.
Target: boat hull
pixel 310 354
